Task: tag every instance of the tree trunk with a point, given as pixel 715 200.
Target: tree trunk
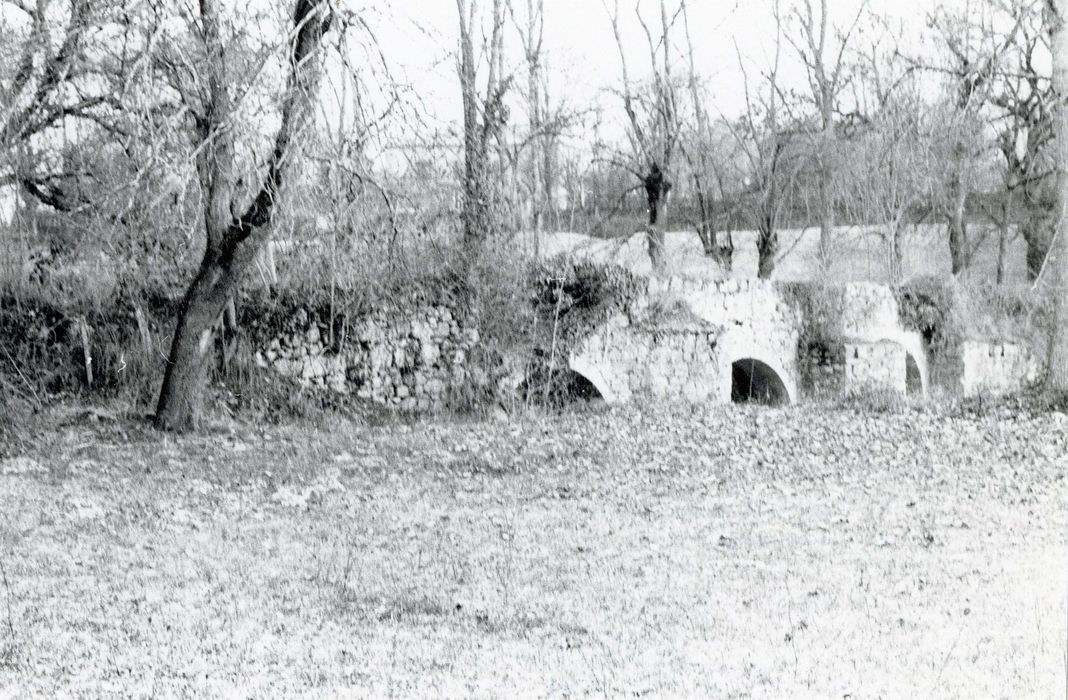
pixel 656 189
pixel 1035 233
pixel 1057 374
pixel 826 175
pixel 1003 236
pixel 767 248
pixel 706 228
pixel 826 219
pixel 958 236
pixel 893 255
pixel 191 352
pixel 482 120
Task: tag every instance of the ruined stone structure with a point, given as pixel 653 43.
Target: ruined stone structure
pixel 682 339
pixel 720 334
pixel 723 340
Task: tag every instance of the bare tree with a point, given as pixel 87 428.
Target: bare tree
pixel 976 49
pixel 1057 23
pixel 822 48
pixel 769 150
pixel 234 232
pixel 653 126
pixel 59 72
pixel 1023 100
pixel 701 151
pixel 890 180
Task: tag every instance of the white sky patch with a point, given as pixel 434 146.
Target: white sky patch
pixel 419 39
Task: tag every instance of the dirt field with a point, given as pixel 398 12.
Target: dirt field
pixel 727 552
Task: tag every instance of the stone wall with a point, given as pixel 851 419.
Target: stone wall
pixel 877 366
pixel 995 368
pixel 408 358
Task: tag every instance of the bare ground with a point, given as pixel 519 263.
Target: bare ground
pixel 724 552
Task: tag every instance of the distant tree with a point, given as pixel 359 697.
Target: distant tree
pixel 1022 97
pixel 55 69
pixel 975 46
pixel 653 122
pixel 768 143
pixel 822 48
pixel 703 151
pixel 235 230
pixel 890 174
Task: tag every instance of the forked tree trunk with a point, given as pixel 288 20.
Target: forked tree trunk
pixel 482 117
pixel 706 228
pixel 232 243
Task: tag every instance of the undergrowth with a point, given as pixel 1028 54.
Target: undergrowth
pixel 821 308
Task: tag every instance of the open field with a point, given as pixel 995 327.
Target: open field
pixel 725 552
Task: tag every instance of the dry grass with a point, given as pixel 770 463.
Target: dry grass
pixel 720 553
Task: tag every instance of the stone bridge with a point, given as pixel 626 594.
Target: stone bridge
pixel 718 340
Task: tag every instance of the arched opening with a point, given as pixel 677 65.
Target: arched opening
pixel 559 388
pixel 913 378
pixel 753 381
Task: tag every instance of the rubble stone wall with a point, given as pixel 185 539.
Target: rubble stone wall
pixel 408 358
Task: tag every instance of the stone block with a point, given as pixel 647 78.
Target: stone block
pixel 429 353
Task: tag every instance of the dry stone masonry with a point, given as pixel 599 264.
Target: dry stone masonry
pixel 406 358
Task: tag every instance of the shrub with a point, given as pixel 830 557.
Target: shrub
pixel 569 301
pixel 932 307
pixel 578 298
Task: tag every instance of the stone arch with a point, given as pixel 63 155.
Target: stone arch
pixel 914 381
pixel 916 364
pixel 566 386
pixel 599 378
pixel 755 381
